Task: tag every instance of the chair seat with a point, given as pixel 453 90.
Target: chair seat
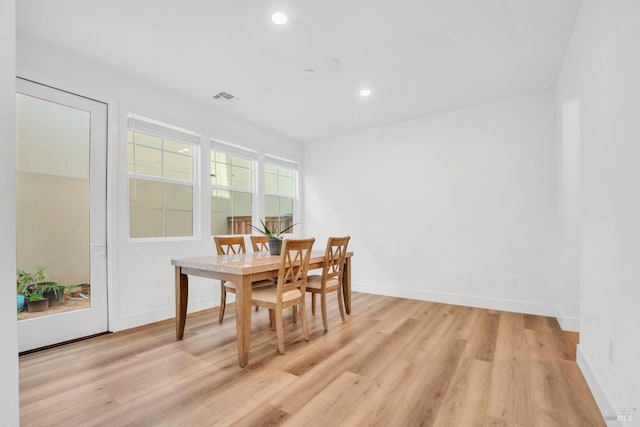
pixel 268 295
pixel 315 282
pixel 231 287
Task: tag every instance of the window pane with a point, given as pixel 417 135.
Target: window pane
pixel 286 206
pixel 231 171
pixel 147 140
pixel 241 204
pixel 151 155
pixel 148 160
pixel 152 202
pixel 220 157
pixel 178 166
pixel 230 212
pixel 145 223
pixel 178 147
pixel 271 206
pixel 269 168
pixel 270 183
pixel 178 196
pixel 285 185
pixel 178 223
pixel 221 174
pixel 278 180
pixel 220 210
pixel 145 194
pixel 240 161
pixel 285 172
pixel 278 212
pixel 241 178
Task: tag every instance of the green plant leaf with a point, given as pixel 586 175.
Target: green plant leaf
pixel 287 229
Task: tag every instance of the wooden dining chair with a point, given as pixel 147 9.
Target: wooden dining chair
pixel 331 278
pixel 289 291
pixel 226 246
pixel 259 243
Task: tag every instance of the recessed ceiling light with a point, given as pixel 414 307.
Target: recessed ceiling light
pixel 309 72
pixel 365 92
pixel 279 18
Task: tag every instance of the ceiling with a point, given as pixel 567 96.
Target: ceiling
pixel 418 57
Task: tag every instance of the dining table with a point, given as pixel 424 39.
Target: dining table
pixel 243 270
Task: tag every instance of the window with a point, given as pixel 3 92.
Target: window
pixel 161 163
pixel 232 190
pixel 280 181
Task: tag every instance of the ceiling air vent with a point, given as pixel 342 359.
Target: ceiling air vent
pixel 224 95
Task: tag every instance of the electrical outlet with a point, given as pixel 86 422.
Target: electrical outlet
pixel 515 281
pixel 611 351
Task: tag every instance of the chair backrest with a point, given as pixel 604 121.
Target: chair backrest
pixel 294 265
pixel 230 245
pixel 260 243
pixel 334 258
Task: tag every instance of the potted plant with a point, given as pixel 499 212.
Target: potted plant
pixel 36 301
pixel 25 281
pixel 53 291
pixel 69 290
pixel 274 236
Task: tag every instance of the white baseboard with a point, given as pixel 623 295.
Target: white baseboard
pixel 144 318
pixel 600 394
pixel 502 304
pixel 569 323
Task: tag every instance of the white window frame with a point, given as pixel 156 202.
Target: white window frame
pixel 149 126
pixel 286 163
pixel 245 153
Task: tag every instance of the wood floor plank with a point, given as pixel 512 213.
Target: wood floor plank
pixel 511 344
pixel 510 395
pixel 332 404
pixel 465 403
pixel 394 362
pixel 482 342
pixel 367 407
pixel 418 402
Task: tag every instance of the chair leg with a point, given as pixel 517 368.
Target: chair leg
pixel 280 331
pixel 271 318
pixel 323 307
pixel 223 302
pixel 313 303
pixel 294 313
pixel 341 303
pixel 303 315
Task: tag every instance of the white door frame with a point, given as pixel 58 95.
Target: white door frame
pixel 33 333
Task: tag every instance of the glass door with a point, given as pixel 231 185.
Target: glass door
pixel 60 216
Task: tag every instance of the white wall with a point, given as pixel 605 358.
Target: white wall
pixel 8 324
pixel 449 208
pixel 601 69
pixel 141 276
pixel 569 213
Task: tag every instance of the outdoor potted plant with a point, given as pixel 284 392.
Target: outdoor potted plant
pixel 53 291
pixel 36 301
pixel 71 291
pixel 25 282
pixel 274 236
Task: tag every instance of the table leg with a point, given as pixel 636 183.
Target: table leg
pixel 182 296
pixel 346 285
pixel 243 320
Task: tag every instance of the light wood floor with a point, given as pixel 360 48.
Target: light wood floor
pixel 395 362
